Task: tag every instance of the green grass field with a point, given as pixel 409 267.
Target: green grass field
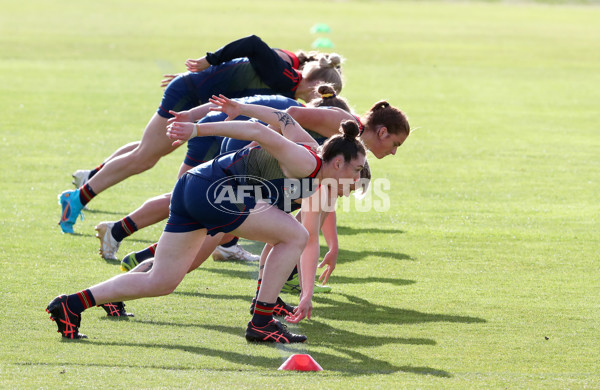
pixel 484 273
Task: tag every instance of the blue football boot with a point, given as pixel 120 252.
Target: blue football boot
pixel 71 209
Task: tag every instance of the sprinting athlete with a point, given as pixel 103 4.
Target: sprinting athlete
pixel 261 71
pixel 382 129
pixel 193 218
pixel 201 149
pixel 309 258
pixel 312 216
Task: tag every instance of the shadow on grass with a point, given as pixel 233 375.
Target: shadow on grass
pixel 347 256
pixel 249 274
pixel 320 332
pixel 253 274
pixel 335 279
pixel 353 364
pixel 146 242
pixel 226 297
pixel 96 211
pixel 351 368
pixel 356 309
pixel 345 359
pixel 344 255
pixel 113 262
pixel 327 335
pixel 348 230
pixel 361 310
pixel 77 234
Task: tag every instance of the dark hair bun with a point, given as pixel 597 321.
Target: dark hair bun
pixel 350 129
pixel 327 90
pixel 380 105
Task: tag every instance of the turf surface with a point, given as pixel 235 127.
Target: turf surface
pixel 483 274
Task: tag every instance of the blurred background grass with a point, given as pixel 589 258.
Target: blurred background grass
pixel 482 274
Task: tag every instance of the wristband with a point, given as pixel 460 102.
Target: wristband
pixel 195 132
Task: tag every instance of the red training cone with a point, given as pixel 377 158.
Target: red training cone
pixel 301 362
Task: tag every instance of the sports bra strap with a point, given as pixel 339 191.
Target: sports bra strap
pixel 361 127
pixel 319 161
pixel 293 57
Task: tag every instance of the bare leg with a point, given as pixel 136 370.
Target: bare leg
pixel 263 259
pixel 154 145
pixel 122 150
pixel 208 246
pixel 226 238
pixel 174 255
pixel 288 238
pixel 152 211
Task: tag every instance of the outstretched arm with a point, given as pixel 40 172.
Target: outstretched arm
pixel 268 64
pixel 191 115
pixel 329 229
pixel 312 212
pixel 278 119
pixel 295 160
pixel 309 258
pixel 325 121
pixel 251 46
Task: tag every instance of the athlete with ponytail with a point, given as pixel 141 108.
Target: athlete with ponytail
pixel 262 70
pixel 193 219
pixel 200 149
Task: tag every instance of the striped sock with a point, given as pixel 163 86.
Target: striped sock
pixel 258 287
pixel 145 254
pixel 231 243
pixel 95 170
pixel 255 297
pixel 263 313
pixel 86 194
pixel 80 301
pixel 124 228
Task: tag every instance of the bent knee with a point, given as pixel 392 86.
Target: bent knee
pixel 299 238
pixel 140 161
pixel 161 286
pixel 164 289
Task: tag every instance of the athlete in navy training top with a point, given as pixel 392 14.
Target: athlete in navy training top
pixel 236 77
pixel 200 149
pixel 343 158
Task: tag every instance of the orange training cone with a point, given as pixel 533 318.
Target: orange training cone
pixel 301 362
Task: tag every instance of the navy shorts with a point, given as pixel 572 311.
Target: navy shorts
pixel 202 149
pixel 178 96
pixel 195 204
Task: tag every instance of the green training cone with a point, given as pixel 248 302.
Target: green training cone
pixel 320 28
pixel 322 43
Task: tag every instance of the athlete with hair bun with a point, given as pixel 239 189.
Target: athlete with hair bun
pixel 262 70
pixel 200 149
pixel 385 128
pixel 192 218
pixel 382 129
